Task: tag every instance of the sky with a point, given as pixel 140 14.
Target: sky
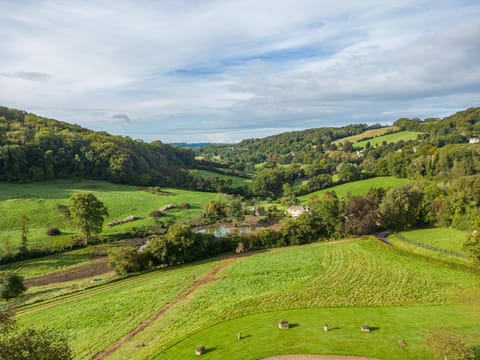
pixel 226 70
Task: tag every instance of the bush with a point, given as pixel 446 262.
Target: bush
pixel 11 285
pixel 53 231
pixel 127 260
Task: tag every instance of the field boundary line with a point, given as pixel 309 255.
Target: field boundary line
pixel 431 247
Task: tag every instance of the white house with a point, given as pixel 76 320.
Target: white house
pixel 297 210
pixel 474 140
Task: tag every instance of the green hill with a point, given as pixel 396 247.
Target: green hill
pixel 41 203
pixel 345 284
pixel 360 187
pixel 33 148
pixel 389 138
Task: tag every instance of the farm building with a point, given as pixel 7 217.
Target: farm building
pixel 297 210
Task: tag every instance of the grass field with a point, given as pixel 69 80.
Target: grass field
pixel 445 238
pixel 340 275
pixel 236 180
pixel 450 239
pixel 96 318
pixel 390 138
pixel 38 202
pixel 367 134
pixel 360 187
pixel 262 338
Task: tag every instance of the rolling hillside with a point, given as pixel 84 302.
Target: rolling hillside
pixel 342 283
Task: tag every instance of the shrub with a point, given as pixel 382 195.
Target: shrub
pixel 53 231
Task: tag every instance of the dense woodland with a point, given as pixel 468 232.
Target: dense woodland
pixel 34 148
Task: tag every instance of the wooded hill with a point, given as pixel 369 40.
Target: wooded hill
pixel 309 146
pixel 34 148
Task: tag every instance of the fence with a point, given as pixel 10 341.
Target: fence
pixel 431 247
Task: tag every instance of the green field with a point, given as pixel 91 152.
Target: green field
pixel 445 238
pixel 236 180
pixel 262 338
pixel 38 202
pixel 334 279
pixel 366 135
pixel 360 187
pixel 95 318
pixel 390 138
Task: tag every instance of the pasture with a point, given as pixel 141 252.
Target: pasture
pixel 333 279
pixel 368 134
pixel 95 318
pixel 389 138
pixel 39 203
pixel 445 238
pixel 360 187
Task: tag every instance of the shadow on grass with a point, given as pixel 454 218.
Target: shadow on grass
pixel 334 328
pixel 207 350
pixel 294 325
pixel 374 328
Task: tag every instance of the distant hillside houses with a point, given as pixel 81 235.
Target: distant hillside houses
pixel 297 210
pixel 474 140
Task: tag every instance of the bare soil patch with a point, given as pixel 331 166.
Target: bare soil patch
pixel 90 269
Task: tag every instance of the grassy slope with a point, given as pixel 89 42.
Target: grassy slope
pixel 98 317
pixel 360 187
pixel 263 338
pixel 445 238
pixel 38 202
pixel 236 181
pixel 390 138
pixel 367 134
pixel 347 274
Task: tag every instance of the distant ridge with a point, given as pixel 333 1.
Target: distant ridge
pixel 192 145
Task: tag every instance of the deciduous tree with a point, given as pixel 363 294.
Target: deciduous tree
pixel 88 214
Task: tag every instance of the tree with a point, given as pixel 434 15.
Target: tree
pixel 30 344
pixel 88 214
pixel 361 215
pixel 11 285
pixel 214 210
pixel 348 172
pixel 472 245
pixel 444 343
pixel 268 183
pixel 127 260
pixel 24 234
pixel 235 210
pixel 324 215
pixel 400 207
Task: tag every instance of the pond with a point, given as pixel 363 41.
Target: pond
pixel 220 231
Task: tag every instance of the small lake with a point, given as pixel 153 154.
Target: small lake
pixel 220 231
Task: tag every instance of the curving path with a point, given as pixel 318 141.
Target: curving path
pixel 211 276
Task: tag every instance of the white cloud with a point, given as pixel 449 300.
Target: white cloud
pixel 190 71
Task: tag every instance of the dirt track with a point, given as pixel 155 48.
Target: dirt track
pixel 211 276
